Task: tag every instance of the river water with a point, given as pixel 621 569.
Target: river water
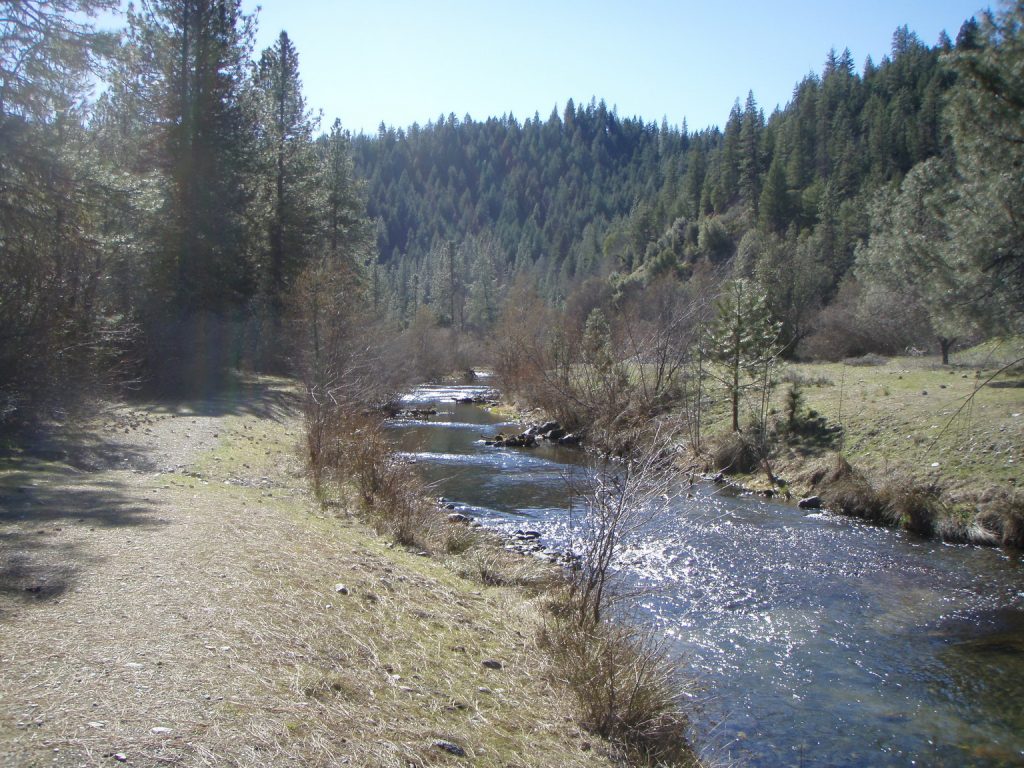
pixel 813 640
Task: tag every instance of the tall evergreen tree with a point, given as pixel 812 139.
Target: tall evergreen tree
pixel 751 131
pixel 987 111
pixel 52 188
pixel 192 57
pixel 774 205
pixel 289 185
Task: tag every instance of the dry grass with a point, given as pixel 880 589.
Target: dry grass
pixel 934 423
pixel 204 601
pixel 845 490
pixel 627 687
pixel 918 507
pixel 732 453
pixel 937 449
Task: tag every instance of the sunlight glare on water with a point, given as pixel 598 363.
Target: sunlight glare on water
pixel 819 640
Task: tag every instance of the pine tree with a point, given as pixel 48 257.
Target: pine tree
pixel 751 131
pixel 909 251
pixel 289 167
pixel 53 192
pixel 188 59
pixel 987 112
pixel 775 207
pixel 345 227
pixel 743 342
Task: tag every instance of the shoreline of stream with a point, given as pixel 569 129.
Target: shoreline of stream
pixel 745 575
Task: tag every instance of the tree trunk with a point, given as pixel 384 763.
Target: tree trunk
pixel 945 344
pixel 736 398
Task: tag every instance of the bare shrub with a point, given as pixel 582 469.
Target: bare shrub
pixel 860 321
pixel 347 361
pixel 621 500
pixel 430 351
pixel 623 678
pixel 626 688
pixel 607 363
pixel 351 365
pixel 520 349
pixel 389 492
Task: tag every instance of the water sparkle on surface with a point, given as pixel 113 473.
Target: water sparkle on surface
pixel 819 640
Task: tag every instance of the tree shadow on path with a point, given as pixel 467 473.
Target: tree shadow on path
pixel 262 398
pixel 46 519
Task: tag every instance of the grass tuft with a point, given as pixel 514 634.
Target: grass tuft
pixel 734 454
pixel 848 491
pixel 914 506
pixel 626 688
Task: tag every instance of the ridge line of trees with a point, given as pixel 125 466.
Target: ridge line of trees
pixel 801 201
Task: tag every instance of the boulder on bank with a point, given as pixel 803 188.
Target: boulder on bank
pixel 418 413
pixel 810 502
pixel 525 440
pixel 484 398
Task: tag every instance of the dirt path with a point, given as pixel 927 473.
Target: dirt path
pixel 168 597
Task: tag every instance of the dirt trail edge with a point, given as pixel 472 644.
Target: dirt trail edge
pixel 171 595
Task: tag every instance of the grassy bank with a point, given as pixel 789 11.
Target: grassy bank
pixel 623 689
pixel 200 607
pixel 910 442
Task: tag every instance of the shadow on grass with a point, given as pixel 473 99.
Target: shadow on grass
pixel 49 481
pixel 89 450
pixel 1016 383
pixel 38 501
pixel 814 436
pixel 81 449
pixel 240 395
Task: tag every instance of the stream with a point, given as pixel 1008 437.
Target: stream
pixel 811 639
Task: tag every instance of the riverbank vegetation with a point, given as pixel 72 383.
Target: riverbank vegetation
pixel 206 222
pixel 765 291
pixel 625 688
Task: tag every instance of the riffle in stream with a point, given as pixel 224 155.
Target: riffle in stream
pixel 814 639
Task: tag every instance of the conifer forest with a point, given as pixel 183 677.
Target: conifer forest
pixel 820 304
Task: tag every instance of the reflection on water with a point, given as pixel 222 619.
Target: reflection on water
pixel 820 640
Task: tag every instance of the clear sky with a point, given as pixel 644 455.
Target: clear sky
pixel 405 61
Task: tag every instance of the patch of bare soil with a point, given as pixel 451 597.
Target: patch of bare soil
pixel 169 596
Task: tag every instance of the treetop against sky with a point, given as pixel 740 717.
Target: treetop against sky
pixel 408 61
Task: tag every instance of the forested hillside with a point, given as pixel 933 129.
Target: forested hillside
pixel 196 216
pixel 464 206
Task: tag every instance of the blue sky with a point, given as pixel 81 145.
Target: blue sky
pixel 405 61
